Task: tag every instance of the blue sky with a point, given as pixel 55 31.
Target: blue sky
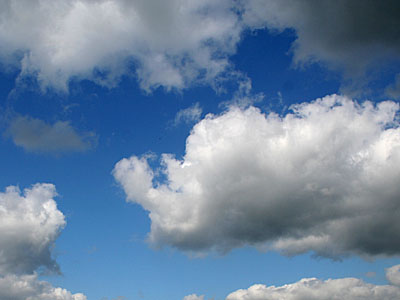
pixel 191 150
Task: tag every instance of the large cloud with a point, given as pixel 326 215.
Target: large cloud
pixel 176 43
pixel 350 35
pixel 172 43
pixel 29 226
pixel 323 178
pixel 39 136
pixel 28 287
pixel 315 289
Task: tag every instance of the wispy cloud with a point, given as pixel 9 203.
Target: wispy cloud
pixel 188 115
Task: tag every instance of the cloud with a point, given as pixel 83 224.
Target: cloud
pixel 28 287
pixel 37 136
pixel 316 289
pixel 188 115
pixel 193 297
pixel 170 43
pixel 323 178
pixel 393 275
pixel 348 35
pixel 393 90
pixel 175 44
pixel 29 225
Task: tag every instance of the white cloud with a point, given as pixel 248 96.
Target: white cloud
pixel 193 297
pixel 28 287
pixel 315 289
pixel 172 43
pixel 323 178
pixel 29 225
pixel 188 115
pixel 37 136
pixel 393 275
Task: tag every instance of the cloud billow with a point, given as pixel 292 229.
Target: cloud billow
pixel 323 178
pixel 171 43
pixel 316 289
pixel 176 44
pixel 29 225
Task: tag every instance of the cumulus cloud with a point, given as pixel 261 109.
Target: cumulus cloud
pixel 29 225
pixel 323 178
pixel 316 289
pixel 349 35
pixel 177 43
pixel 171 43
pixel 38 136
pixel 28 287
pixel 189 115
pixel 393 275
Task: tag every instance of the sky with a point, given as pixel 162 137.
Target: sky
pixel 198 150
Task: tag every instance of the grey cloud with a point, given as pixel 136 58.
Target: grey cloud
pixel 175 44
pixel 349 35
pixel 352 33
pixel 37 136
pixel 393 90
pixel 29 225
pixel 324 178
pixel 28 287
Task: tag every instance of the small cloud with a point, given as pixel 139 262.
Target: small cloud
pixel 393 90
pixel 188 115
pixel 35 135
pixel 393 275
pixel 370 274
pixel 193 297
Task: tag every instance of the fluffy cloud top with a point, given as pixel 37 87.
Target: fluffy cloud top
pixel 37 136
pixel 393 275
pixel 29 226
pixel 315 289
pixel 172 43
pixel 322 178
pixel 28 287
